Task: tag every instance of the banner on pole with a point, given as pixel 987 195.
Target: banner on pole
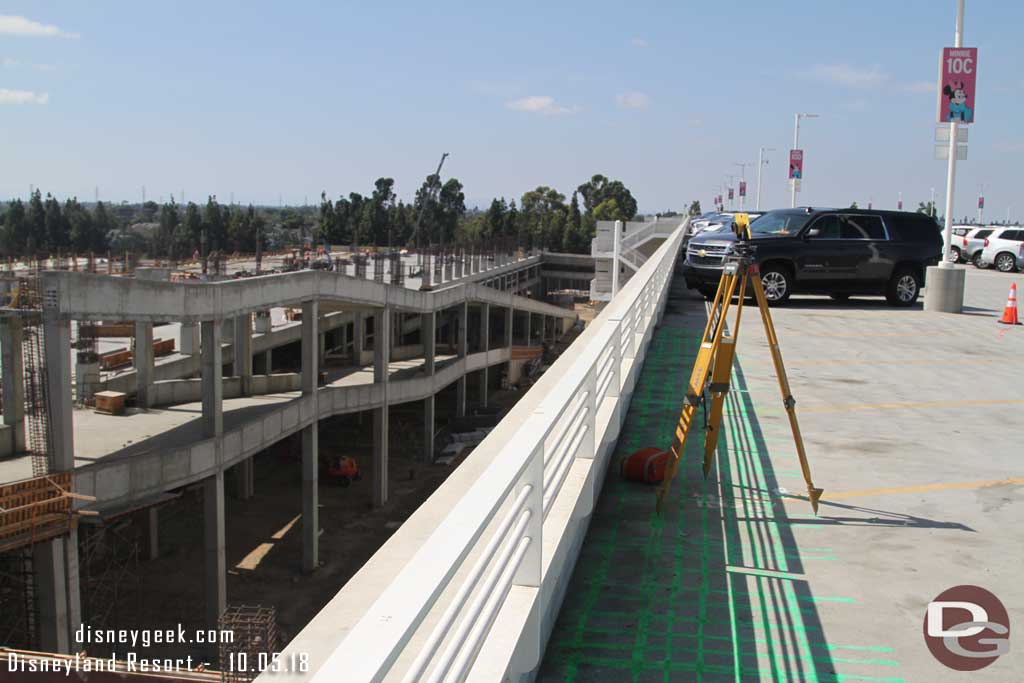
pixel 958 71
pixel 796 164
pixel 743 188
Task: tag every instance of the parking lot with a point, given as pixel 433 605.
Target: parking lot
pixel 912 425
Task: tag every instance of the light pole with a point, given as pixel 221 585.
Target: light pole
pixel 796 145
pixel 761 163
pixel 947 238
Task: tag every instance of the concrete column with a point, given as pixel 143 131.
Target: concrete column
pixel 188 342
pixel 48 563
pixel 57 340
pixel 428 428
pixel 213 539
pixel 428 334
pixel 510 314
pixel 460 330
pixel 460 397
pixel 485 346
pixel 12 368
pixel 381 359
pixel 244 479
pixel 310 438
pixel 143 359
pixel 61 611
pixel 268 362
pixel 152 533
pixel 242 349
pixel 358 338
pixel 212 379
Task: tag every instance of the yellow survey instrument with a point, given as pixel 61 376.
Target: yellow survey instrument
pixel 713 367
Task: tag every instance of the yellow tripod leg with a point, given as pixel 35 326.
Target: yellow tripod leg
pixel 719 389
pixel 814 494
pixel 698 378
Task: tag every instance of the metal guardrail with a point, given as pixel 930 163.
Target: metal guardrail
pixel 521 484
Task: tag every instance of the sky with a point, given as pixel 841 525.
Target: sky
pixel 261 100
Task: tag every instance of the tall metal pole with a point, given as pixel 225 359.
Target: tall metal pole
pixel 947 237
pixel 761 163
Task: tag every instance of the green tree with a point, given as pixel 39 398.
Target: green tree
pixel 543 218
pixel 927 208
pixel 81 226
pixel 695 208
pixel 853 205
pixel 428 211
pixel 16 230
pixel 57 233
pixel 452 205
pixel 382 199
pixel 575 240
pixel 215 223
pixel 103 224
pixel 599 189
pixel 609 210
pixel 168 227
pixel 192 229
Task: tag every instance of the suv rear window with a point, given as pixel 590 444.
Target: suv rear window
pixel 1013 235
pixel 913 227
pixel 981 234
pixel 863 228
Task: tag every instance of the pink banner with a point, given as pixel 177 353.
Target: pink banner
pixel 743 188
pixel 958 71
pixel 796 163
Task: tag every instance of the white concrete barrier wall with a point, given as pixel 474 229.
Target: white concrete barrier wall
pixel 470 585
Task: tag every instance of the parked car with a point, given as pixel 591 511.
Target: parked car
pixel 971 245
pixel 840 252
pixel 717 221
pixel 959 232
pixel 1003 248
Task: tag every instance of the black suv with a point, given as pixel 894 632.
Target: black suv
pixel 827 251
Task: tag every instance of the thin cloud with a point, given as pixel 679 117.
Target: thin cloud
pixel 916 87
pixel 540 104
pixel 10 63
pixel 14 25
pixel 638 42
pixel 23 97
pixel 1008 146
pixel 847 75
pixel 633 100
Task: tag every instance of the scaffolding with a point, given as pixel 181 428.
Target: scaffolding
pixel 19 609
pixel 253 642
pixel 109 564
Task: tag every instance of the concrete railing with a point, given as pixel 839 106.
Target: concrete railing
pixel 469 587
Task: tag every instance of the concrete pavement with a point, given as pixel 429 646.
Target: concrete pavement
pixel 912 426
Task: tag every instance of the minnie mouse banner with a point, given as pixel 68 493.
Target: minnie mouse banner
pixel 958 70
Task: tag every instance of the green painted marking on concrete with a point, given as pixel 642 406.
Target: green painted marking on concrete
pixel 705 588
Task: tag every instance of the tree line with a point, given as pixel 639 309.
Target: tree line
pixel 542 219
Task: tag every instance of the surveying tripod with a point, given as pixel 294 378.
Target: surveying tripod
pixel 713 367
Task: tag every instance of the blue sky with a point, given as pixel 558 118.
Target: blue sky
pixel 266 98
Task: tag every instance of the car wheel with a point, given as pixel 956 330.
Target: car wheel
pixel 777 284
pixel 976 260
pixel 1006 263
pixel 903 288
pixel 954 255
pixel 840 296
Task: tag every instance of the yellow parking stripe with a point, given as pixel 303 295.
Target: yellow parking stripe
pixel 925 487
pixel 898 406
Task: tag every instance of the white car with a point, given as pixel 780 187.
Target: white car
pixel 971 245
pixel 1004 249
pixel 719 221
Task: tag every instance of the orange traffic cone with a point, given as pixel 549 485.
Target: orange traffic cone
pixel 1010 312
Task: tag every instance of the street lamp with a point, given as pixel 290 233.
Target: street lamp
pixel 761 163
pixel 796 145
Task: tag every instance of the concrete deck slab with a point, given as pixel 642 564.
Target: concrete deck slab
pixel 911 421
